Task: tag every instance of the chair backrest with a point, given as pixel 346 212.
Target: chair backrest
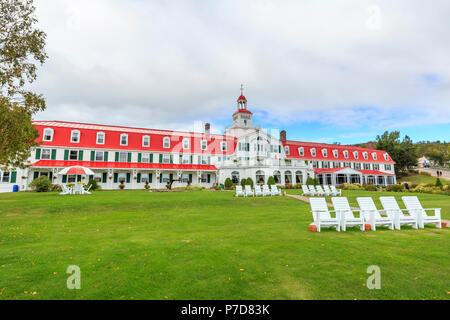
pixel 390 205
pixel 274 188
pixel 78 187
pixel 305 189
pixel 257 188
pixel 319 206
pixel 367 205
pixel 333 188
pixel 326 188
pixel 248 188
pixel 265 187
pixel 311 188
pixel 341 204
pixel 238 188
pixel 64 188
pixel 413 205
pixel 319 189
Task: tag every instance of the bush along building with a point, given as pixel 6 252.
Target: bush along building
pixel 136 157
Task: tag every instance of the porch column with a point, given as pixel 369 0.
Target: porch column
pixel 385 180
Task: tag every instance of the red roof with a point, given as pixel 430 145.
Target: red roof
pixel 122 165
pixel 88 138
pixel 307 155
pixel 242 97
pixel 242 111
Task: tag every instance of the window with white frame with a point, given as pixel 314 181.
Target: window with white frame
pixel 204 144
pixel 46 154
pixel 123 157
pixel 75 136
pixel 185 177
pixel 166 142
pixel 146 141
pixel 166 158
pixel 73 155
pixel 100 138
pixel 4 176
pixel 99 156
pixel 355 154
pixel 165 177
pixel 324 153
pixel 287 150
pixel 386 157
pixel 185 159
pixel 374 155
pixel 301 151
pixel 186 143
pixel 48 134
pixel 387 167
pixel 376 166
pixel 345 154
pixel 145 158
pixel 335 153
pixel 365 155
pixel 223 145
pixel 366 166
pixel 204 160
pixel 313 152
pixel 71 178
pixel 123 139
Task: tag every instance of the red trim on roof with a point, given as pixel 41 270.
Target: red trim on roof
pixel 242 111
pixel 375 173
pixel 364 172
pixel 122 165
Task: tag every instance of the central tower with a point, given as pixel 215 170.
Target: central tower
pixel 242 118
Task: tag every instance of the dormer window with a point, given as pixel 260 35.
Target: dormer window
pixel 324 153
pixel 386 157
pixel 186 143
pixel 123 139
pixel 335 154
pixel 345 154
pixel 374 155
pixel 75 136
pixel 355 154
pixel 100 138
pixel 48 134
pixel 223 145
pixel 166 142
pixel 203 144
pixel 365 156
pixel 301 151
pixel 313 152
pixel 146 141
pixel 287 150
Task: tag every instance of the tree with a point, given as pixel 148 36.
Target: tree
pixel 21 46
pixel 250 182
pixel 404 153
pixel 271 181
pixel 243 182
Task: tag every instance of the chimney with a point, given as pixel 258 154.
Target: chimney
pixel 207 128
pixel 283 135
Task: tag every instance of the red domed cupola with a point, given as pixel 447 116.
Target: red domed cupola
pixel 242 117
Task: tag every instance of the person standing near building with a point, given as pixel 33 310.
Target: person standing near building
pixel 406 186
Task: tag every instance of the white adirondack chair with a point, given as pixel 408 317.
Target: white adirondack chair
pixel 248 191
pixel 414 206
pixel 274 190
pixel 391 207
pixel 336 191
pixel 326 188
pixel 372 215
pixel 65 190
pixel 239 192
pixel 322 191
pixel 346 214
pixel 78 188
pixel 258 191
pixel 312 190
pixel 87 191
pixel 306 191
pixel 322 216
pixel 266 190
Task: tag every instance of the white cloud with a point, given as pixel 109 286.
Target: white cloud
pixel 166 64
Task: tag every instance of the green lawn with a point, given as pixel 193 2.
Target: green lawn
pixel 420 178
pixel 207 245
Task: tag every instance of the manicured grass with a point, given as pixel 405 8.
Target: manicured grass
pixel 206 245
pixel 420 178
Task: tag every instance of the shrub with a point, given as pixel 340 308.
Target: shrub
pixel 288 186
pixel 243 182
pixel 121 186
pixel 41 184
pixel 312 181
pixel 271 181
pixel 438 183
pixel 351 186
pixel 370 187
pixel 228 184
pixel 55 188
pixel 395 188
pixel 424 173
pixel 146 186
pixel 250 182
pixel 94 184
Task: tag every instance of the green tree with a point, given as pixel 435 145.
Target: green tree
pixel 271 181
pixel 404 153
pixel 243 182
pixel 21 47
pixel 250 181
pixel 228 183
pixel 41 184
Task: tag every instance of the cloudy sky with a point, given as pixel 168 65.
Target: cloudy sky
pixel 323 70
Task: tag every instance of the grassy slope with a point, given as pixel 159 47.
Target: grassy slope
pixel 206 245
pixel 420 178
